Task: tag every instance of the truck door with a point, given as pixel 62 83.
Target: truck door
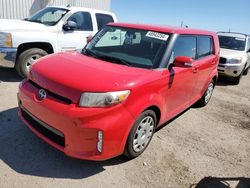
pixel 76 39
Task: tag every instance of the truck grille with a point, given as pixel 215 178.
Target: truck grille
pixel 223 60
pixel 51 94
pixel 44 129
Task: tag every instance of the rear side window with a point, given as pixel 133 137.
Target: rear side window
pixel 185 46
pixel 103 19
pixel 205 46
pixel 83 21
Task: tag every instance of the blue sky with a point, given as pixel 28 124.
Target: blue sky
pixel 214 15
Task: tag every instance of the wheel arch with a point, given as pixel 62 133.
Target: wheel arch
pixel 42 45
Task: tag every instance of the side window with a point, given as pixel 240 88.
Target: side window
pixel 83 21
pixel 103 19
pixel 185 46
pixel 205 46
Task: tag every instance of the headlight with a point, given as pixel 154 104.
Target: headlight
pixel 5 40
pixel 103 99
pixel 234 61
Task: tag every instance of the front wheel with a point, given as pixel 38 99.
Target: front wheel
pixel 140 134
pixel 26 59
pixel 246 71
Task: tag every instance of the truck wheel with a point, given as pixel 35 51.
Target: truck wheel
pixel 246 71
pixel 236 80
pixel 26 59
pixel 207 95
pixel 140 134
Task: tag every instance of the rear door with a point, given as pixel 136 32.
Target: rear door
pixel 205 63
pixel 182 80
pixel 76 40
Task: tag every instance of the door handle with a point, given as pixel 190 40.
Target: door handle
pixel 195 69
pixel 213 62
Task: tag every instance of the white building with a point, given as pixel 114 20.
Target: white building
pixel 19 9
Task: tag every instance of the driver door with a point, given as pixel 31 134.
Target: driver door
pixel 76 39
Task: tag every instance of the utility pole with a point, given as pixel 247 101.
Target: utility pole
pixel 181 23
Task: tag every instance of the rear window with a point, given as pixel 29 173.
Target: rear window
pixel 205 46
pixel 103 19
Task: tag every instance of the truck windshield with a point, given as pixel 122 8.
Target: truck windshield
pixel 233 43
pixel 127 46
pixel 48 16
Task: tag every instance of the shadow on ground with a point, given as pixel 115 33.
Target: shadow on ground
pixel 214 182
pixel 25 153
pixel 9 75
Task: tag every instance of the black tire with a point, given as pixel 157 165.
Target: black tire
pixel 236 80
pixel 246 71
pixel 129 148
pixel 24 58
pixel 204 100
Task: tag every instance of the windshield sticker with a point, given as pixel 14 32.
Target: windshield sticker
pixel 157 35
pixel 241 39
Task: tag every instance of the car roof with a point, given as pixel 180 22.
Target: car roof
pixel 164 29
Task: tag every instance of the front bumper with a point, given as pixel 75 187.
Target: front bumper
pixel 8 57
pixel 74 130
pixel 230 70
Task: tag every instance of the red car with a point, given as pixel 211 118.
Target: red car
pixel 109 99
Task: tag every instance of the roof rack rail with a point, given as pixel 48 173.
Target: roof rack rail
pixel 233 33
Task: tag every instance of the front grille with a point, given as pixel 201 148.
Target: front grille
pixel 51 94
pixel 223 60
pixel 49 132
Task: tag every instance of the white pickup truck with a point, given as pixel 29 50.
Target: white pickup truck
pixel 53 29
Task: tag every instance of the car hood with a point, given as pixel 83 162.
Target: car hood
pixel 71 73
pixel 229 54
pixel 20 25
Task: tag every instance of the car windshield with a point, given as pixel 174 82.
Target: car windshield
pixel 131 47
pixel 49 16
pixel 233 43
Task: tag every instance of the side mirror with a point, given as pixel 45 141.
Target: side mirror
pixel 183 61
pixel 69 26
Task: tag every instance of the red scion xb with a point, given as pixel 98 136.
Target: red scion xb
pixel 109 99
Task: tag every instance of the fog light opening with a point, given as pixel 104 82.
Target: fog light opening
pixel 100 141
pixel 235 72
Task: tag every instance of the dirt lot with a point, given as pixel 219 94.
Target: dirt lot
pixel 201 148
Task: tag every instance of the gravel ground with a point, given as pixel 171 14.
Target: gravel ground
pixel 203 147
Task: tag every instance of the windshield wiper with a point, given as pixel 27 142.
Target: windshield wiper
pixel 115 60
pixel 107 58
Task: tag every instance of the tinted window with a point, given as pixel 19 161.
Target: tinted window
pixel 83 21
pixel 204 46
pixel 103 19
pixel 185 46
pixel 233 43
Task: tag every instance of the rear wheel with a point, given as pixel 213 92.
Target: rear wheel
pixel 26 59
pixel 207 95
pixel 140 134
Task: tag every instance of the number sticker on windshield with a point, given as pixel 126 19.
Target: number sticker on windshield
pixel 157 35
